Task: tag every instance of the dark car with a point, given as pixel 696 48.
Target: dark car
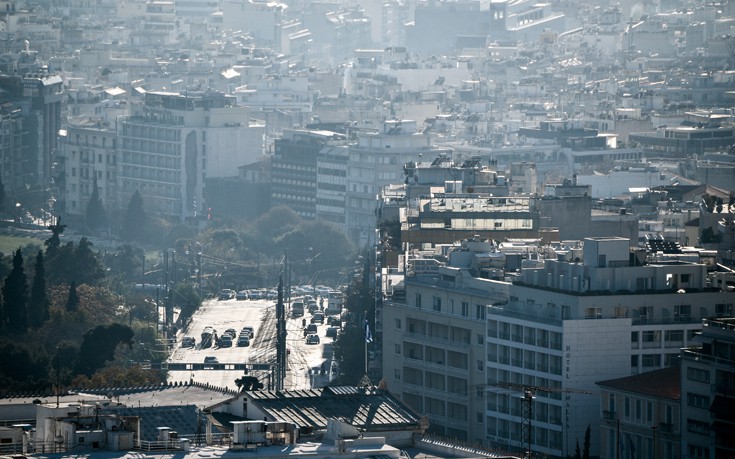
pixel 243 341
pixel 332 332
pixel 312 339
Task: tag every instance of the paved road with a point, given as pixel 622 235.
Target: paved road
pixel 305 362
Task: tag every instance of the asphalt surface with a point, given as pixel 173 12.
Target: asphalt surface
pixel 309 365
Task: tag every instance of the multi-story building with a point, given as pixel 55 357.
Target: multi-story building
pixel 374 162
pixel 708 389
pixel 294 169
pixel 88 154
pixel 572 322
pixel 434 343
pixel 173 142
pixel 640 415
pixel 38 96
pixel 331 173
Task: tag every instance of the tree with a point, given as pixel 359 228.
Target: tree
pixel 96 216
pixel 99 344
pixel 587 444
pixel 85 266
pixel 577 451
pixel 72 301
pixel 52 244
pixel 133 227
pixel 38 307
pixel 15 296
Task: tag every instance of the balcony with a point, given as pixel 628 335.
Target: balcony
pixel 609 415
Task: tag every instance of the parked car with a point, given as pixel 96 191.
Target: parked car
pixel 210 359
pixel 188 341
pixel 231 332
pixel 332 332
pixel 226 294
pixel 225 341
pixel 334 321
pixel 243 340
pixel 248 329
pixel 318 318
pixel 312 339
pixel 311 328
pixel 242 295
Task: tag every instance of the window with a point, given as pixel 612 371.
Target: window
pixel 634 361
pixel 651 336
pixel 418 300
pixel 723 310
pixel 480 366
pixel 398 324
pixel 480 312
pixel 650 360
pixel 649 413
pixel 674 336
pixel 480 339
pixel 397 349
pixel 634 337
pixel 697 400
pixel 697 374
pixel 465 309
pixel 627 407
pixel 397 374
pixel 699 427
pixel 436 303
pixel 682 312
pixel 593 313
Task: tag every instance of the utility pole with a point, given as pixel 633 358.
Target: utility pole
pixel 526 427
pixel 280 338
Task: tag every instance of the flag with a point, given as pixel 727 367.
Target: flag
pixel 368 335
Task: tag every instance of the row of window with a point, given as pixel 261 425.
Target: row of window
pixel 142 159
pixel 158 175
pixel 512 404
pixel 524 334
pixel 153 133
pixel 435 330
pixel 437 407
pixel 524 358
pixel 150 146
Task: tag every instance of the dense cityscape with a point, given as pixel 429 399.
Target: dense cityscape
pixel 391 229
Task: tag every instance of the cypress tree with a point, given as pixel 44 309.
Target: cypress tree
pixel 133 227
pixel 38 307
pixel 96 216
pixel 15 296
pixel 72 302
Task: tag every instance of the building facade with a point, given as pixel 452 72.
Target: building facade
pixel 173 142
pixel 708 388
pixel 571 322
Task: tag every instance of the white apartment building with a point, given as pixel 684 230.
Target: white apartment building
pixel 331 184
pixel 376 161
pixel 571 323
pixel 434 345
pixel 172 142
pixel 88 152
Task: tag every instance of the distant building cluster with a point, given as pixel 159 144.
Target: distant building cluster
pixel 548 188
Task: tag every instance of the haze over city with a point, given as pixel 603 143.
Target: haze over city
pixel 391 228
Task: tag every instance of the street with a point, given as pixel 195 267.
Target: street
pixel 309 365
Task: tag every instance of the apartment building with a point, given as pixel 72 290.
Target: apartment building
pixel 640 415
pixel 294 169
pixel 173 142
pixel 38 96
pixel 571 322
pixel 88 153
pixel 708 390
pixel 434 353
pixel 376 161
